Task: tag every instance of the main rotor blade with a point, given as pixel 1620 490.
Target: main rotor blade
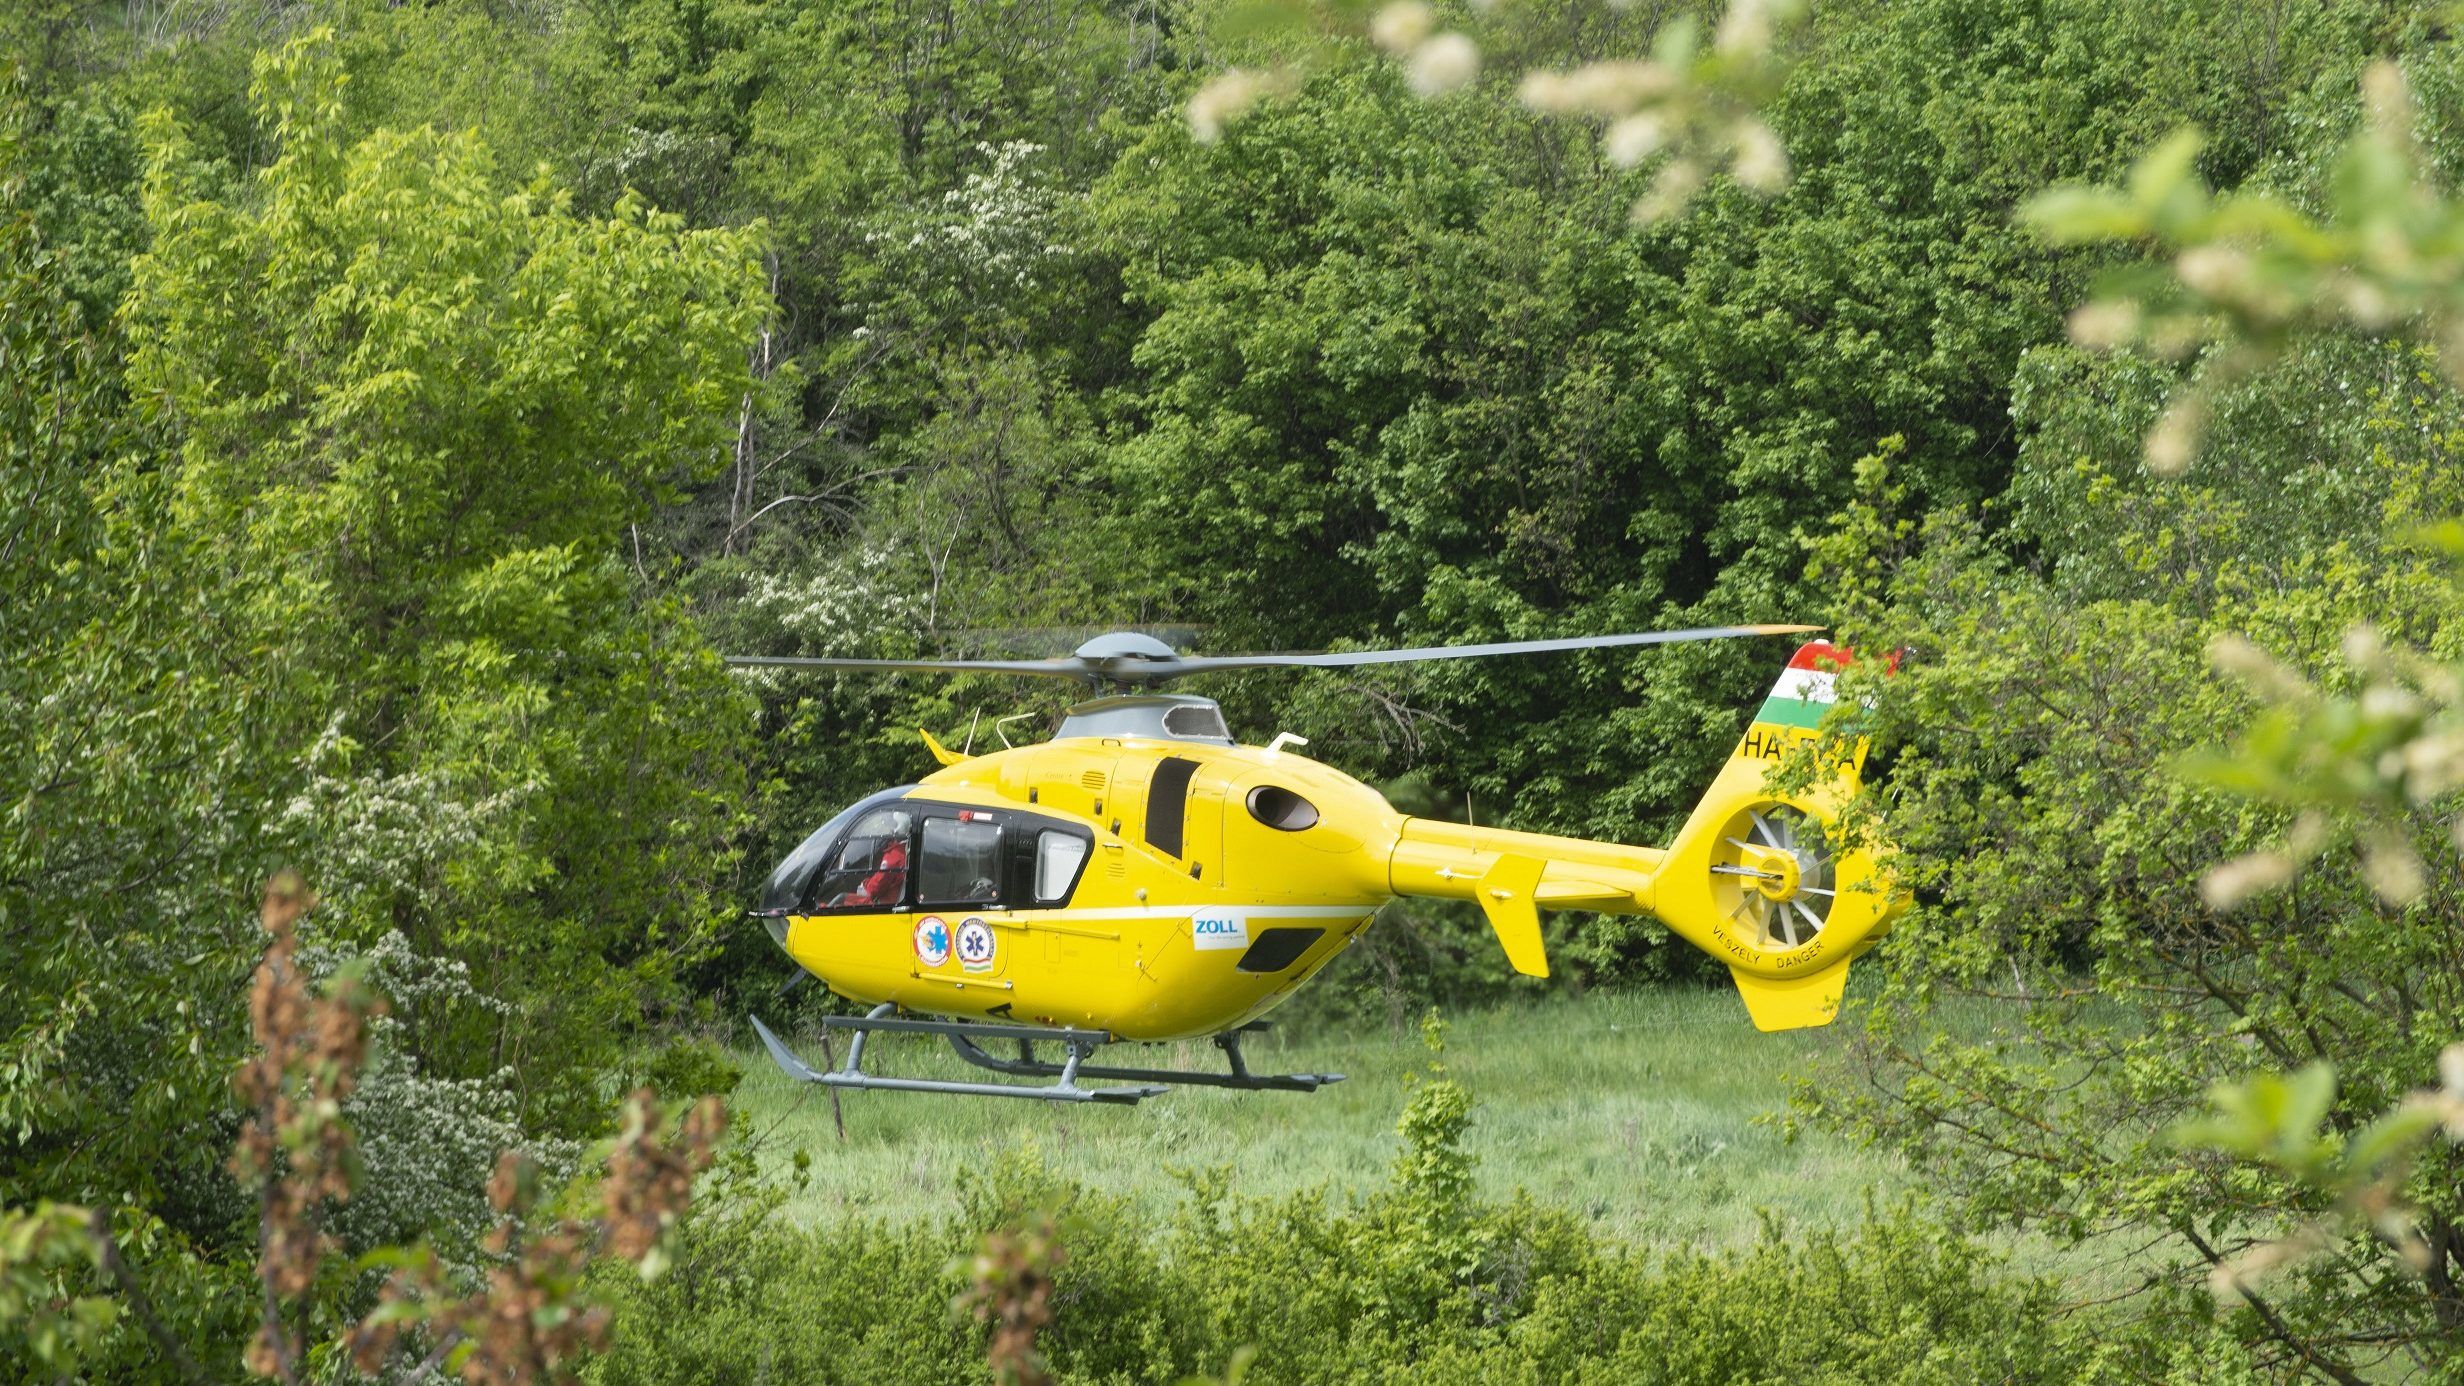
pixel 1346 659
pixel 1132 667
pixel 1052 668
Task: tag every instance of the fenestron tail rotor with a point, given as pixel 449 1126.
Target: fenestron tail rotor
pixel 1768 884
pixel 1774 875
pixel 1130 659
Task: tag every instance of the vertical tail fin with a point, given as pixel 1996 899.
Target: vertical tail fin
pixel 1754 877
pixel 1806 692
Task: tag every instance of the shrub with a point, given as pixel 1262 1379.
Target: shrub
pixel 1420 1281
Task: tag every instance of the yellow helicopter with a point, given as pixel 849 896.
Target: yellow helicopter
pixel 1142 876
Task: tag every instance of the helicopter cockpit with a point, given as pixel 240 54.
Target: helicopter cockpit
pixel 789 887
pixel 893 852
pixel 870 867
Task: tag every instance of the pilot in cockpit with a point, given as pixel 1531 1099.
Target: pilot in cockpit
pixel 872 867
pixel 888 880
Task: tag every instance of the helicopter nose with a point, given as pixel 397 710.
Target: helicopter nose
pixel 774 922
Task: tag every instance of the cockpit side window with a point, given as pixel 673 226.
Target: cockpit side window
pixel 1059 857
pixel 961 860
pixel 869 868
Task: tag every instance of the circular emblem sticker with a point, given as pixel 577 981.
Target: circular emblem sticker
pixel 975 946
pixel 932 941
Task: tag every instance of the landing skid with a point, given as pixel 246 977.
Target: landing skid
pixel 1077 1046
pixel 1027 1065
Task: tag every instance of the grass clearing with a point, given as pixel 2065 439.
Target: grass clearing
pixel 1651 1114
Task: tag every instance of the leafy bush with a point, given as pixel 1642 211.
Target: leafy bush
pixel 1418 1282
pixel 2038 745
pixel 426 1143
pixel 481 392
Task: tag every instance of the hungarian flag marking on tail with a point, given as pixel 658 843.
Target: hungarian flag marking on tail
pixel 1807 688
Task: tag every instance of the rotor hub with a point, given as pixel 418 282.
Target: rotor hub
pixel 1774 876
pixel 1782 873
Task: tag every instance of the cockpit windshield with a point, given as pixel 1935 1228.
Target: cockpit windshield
pixel 787 889
pixel 869 870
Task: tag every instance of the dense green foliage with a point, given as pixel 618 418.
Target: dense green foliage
pixel 315 559
pixel 134 780
pixel 395 417
pixel 1418 1282
pixel 2058 853
pixel 415 413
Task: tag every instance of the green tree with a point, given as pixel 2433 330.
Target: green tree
pixel 1408 369
pixel 415 415
pixel 136 779
pixel 2036 745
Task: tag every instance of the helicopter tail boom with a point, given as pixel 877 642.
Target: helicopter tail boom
pixel 1513 876
pixel 1755 878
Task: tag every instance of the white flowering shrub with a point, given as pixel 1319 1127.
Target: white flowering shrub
pixel 998 232
pixel 428 1144
pixel 374 835
pixel 671 167
pixel 839 609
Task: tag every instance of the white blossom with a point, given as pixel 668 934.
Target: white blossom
pixel 996 225
pixel 1443 64
pixel 427 1144
pixel 1222 101
pixel 374 835
pixel 1400 27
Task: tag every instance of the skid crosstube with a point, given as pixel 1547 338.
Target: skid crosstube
pixel 1077 1045
pixel 1027 1065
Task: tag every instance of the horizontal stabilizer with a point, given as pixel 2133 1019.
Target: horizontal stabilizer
pixel 1575 895
pixel 1792 1003
pixel 1510 896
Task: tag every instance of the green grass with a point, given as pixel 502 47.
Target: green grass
pixel 1649 1114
